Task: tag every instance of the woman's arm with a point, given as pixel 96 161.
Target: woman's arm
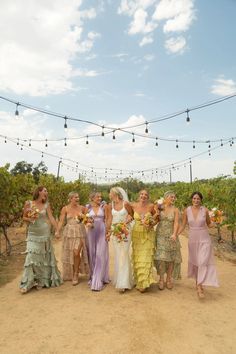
pixel 208 220
pixel 130 211
pixel 51 217
pixel 61 220
pixel 155 213
pixel 108 219
pixel 184 222
pixel 176 225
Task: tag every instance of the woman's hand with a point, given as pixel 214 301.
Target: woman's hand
pixel 173 238
pixel 57 235
pixel 108 235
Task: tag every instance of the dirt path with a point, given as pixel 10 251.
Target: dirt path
pixel 75 320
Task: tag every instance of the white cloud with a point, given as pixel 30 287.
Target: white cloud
pixel 146 40
pixel 223 87
pixel 39 45
pixel 88 73
pixel 149 57
pixel 175 45
pixel 176 16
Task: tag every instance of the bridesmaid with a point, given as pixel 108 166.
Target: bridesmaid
pixel 40 268
pixel 143 241
pixel 97 244
pixel 74 251
pixel 168 256
pixel 120 211
pixel 201 259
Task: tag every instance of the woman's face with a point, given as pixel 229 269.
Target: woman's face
pixel 143 196
pixel 196 200
pixel 97 198
pixel 112 195
pixel 74 199
pixel 170 199
pixel 43 194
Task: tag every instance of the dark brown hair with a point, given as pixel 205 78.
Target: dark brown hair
pixel 198 193
pixel 37 191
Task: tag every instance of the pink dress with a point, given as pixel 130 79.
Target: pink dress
pixel 201 259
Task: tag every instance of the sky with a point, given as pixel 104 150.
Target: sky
pixel 119 64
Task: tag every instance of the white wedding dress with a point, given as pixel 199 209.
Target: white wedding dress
pixel 123 278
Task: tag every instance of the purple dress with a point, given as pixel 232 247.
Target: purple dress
pixel 98 251
pixel 201 259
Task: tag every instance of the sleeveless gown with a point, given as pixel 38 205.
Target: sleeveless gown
pixel 122 278
pixel 143 244
pixel 73 234
pixel 167 251
pixel 98 251
pixel 40 268
pixel 201 258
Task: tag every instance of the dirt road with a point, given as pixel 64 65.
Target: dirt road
pixel 70 319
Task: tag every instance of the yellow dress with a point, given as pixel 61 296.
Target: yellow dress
pixel 143 243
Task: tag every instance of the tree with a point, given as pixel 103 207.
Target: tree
pixel 22 167
pixel 39 170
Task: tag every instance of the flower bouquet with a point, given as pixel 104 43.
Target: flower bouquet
pixel 32 213
pixel 216 215
pixel 148 220
pixel 88 220
pixel 160 203
pixel 120 231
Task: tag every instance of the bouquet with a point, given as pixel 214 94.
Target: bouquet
pixel 32 213
pixel 120 231
pixel 216 215
pixel 88 220
pixel 148 220
pixel 160 203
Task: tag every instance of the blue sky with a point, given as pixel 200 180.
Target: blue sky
pixel 119 63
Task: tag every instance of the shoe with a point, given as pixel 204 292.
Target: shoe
pixel 75 280
pixel 161 285
pixel 121 291
pixel 200 292
pixel 23 290
pixel 169 284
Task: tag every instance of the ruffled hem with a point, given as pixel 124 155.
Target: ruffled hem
pixel 40 276
pixel 204 274
pixel 162 268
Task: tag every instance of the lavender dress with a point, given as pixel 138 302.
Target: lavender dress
pixel 201 259
pixel 98 251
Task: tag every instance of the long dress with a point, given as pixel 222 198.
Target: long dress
pixel 98 251
pixel 167 251
pixel 73 234
pixel 122 278
pixel 143 244
pixel 40 268
pixel 201 258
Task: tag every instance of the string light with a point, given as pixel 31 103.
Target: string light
pixel 17 111
pixel 194 144
pixel 146 129
pixel 29 142
pixel 113 136
pixel 133 139
pixel 156 142
pixel 177 145
pixel 5 141
pixel 65 143
pixel 65 123
pixel 209 153
pixel 87 142
pixel 209 146
pixel 46 143
pixel 42 155
pixel 103 134
pixel 21 147
pixel 221 144
pixel 18 142
pixel 187 118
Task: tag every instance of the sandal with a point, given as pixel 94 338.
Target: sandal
pixel 200 292
pixel 75 280
pixel 23 290
pixel 169 284
pixel 161 285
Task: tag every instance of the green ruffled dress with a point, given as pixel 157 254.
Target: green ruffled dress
pixel 143 245
pixel 167 251
pixel 40 268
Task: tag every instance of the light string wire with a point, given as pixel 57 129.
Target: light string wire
pixel 66 117
pixel 130 172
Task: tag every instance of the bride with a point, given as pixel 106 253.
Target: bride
pixel 119 214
